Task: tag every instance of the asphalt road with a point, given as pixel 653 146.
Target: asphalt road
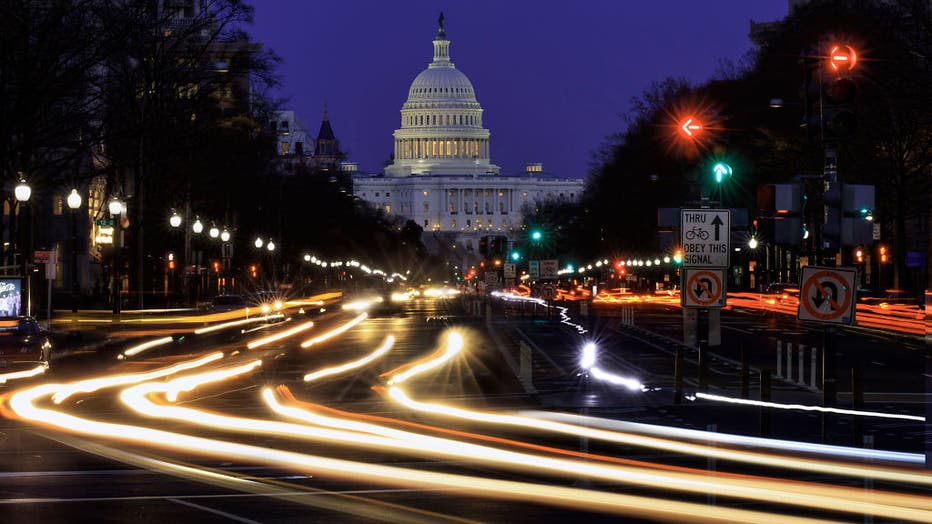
pixel 54 471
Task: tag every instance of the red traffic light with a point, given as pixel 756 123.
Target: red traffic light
pixel 842 58
pixel 691 126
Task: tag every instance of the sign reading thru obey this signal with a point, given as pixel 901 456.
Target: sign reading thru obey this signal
pixel 827 294
pixel 705 235
pixel 704 288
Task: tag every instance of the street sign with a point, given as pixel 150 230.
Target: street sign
pixel 827 294
pixel 548 269
pixel 41 257
pixel 705 236
pixel 534 269
pixel 509 270
pixel 104 222
pixel 548 292
pixel 491 278
pixel 704 288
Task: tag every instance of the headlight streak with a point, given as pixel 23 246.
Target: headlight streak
pixel 14 375
pixel 453 346
pixel 815 496
pixel 804 407
pixel 22 404
pixel 370 435
pixel 234 323
pixel 727 438
pixel 748 457
pixel 362 304
pixel 298 494
pixel 186 384
pixel 617 380
pixel 60 392
pixel 280 335
pixel 383 349
pixel 137 349
pixel 334 332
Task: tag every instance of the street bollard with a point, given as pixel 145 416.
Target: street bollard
pixel 765 397
pixel 745 370
pixel 678 376
pixel 812 375
pixel 525 368
pixel 857 401
pixel 802 375
pixel 779 358
pixel 789 361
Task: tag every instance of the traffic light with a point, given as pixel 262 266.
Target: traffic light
pixel 216 266
pixel 690 127
pixel 840 93
pixel 484 246
pixel 537 235
pixel 678 257
pixel 253 271
pixel 883 254
pixel 859 255
pixel 515 256
pixel 721 171
pixel 845 224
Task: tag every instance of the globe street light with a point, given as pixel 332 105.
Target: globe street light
pixel 270 246
pixel 198 226
pixel 214 232
pixel 225 235
pixel 22 191
pixel 258 243
pixel 175 220
pixel 74 203
pixel 752 243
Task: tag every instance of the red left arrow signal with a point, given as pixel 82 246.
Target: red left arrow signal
pixel 691 126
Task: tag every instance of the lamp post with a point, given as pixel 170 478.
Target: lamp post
pixel 271 247
pixel 74 203
pixel 175 222
pixel 197 227
pixel 22 192
pixel 116 210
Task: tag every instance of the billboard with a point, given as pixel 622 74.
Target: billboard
pixel 10 297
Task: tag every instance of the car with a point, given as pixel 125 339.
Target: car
pixel 222 303
pixel 23 343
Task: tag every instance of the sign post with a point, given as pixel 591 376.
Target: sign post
pixel 705 235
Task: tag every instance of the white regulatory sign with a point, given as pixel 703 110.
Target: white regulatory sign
pixel 548 269
pixel 533 268
pixel 705 235
pixel 509 270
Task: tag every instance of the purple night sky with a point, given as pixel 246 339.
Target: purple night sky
pixel 552 77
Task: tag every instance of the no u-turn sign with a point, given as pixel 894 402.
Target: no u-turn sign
pixel 827 294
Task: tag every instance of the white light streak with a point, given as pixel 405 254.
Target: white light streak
pixel 38 370
pixel 453 347
pixel 334 332
pixel 135 350
pixel 218 327
pixel 383 349
pixel 804 407
pixel 280 335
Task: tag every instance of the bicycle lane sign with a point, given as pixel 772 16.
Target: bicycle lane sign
pixel 705 235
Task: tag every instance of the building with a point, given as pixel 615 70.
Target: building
pixel 442 177
pixel 296 146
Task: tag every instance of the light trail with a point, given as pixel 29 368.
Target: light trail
pixel 139 348
pixel 22 404
pixel 280 335
pixel 804 407
pixel 186 384
pixel 234 323
pixel 334 332
pixel 814 496
pixel 618 380
pixel 731 439
pixel 359 305
pixel 453 346
pixel 60 392
pixel 748 457
pixel 14 375
pixel 371 435
pixel 383 349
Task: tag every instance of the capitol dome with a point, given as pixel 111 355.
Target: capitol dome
pixel 441 122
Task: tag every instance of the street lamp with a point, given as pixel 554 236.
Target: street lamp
pixel 258 243
pixel 225 235
pixel 198 226
pixel 214 232
pixel 116 209
pixel 175 220
pixel 752 243
pixel 270 246
pixel 74 203
pixel 22 192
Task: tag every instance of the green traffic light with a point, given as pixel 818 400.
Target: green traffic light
pixel 536 235
pixel 515 256
pixel 721 170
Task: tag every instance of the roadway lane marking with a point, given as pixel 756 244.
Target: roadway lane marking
pixel 230 516
pixel 223 495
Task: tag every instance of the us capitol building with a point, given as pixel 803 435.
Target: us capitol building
pixel 442 176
